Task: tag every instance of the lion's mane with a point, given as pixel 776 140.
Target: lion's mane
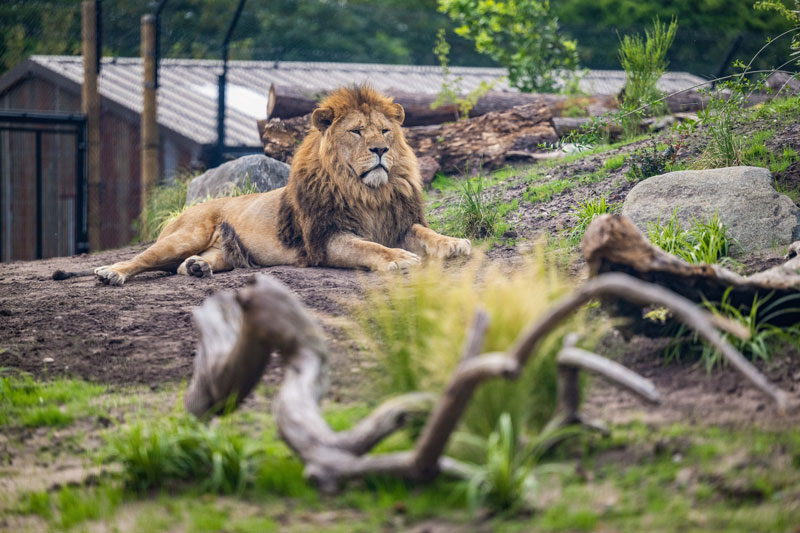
pixel 323 198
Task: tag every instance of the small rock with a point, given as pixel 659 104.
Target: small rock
pixel 48 360
pixel 510 234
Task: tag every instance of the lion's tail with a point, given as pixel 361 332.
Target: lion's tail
pixel 59 275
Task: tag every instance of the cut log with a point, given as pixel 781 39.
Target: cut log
pixel 486 142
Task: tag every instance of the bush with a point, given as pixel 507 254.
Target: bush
pixel 477 215
pixel 644 62
pixel 646 163
pixel 521 35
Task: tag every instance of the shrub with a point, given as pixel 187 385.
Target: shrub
pixel 450 91
pixel 646 163
pixel 521 35
pixel 644 62
pixel 184 448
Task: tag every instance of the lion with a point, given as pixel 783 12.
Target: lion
pixel 353 200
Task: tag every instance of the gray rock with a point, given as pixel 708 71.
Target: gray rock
pixel 757 216
pixel 263 172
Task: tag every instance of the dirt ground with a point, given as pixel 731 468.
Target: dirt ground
pixel 142 333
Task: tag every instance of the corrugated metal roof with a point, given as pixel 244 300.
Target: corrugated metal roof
pixel 187 97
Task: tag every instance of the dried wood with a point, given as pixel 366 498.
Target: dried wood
pixel 613 243
pixel 478 143
pixel 235 345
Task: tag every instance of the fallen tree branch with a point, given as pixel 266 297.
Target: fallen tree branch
pixel 235 346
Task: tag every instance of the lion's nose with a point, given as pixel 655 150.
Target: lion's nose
pixel 380 150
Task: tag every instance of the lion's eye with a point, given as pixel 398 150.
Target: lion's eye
pixel 385 132
pixel 357 132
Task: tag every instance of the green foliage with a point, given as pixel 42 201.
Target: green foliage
pixel 450 92
pixel 615 162
pixel 708 30
pixel 706 242
pixel 725 147
pixel 286 30
pixel 417 325
pixel 477 214
pixel 644 62
pixel 505 477
pixel 165 203
pixel 586 212
pixel 182 448
pixel 791 15
pixel 646 163
pixel 28 403
pixel 521 35
pixel 69 506
pixel 764 340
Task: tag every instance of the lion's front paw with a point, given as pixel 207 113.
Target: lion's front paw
pixel 401 259
pixel 449 247
pixel 109 276
pixel 195 266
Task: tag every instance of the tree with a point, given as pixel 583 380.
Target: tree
pixel 521 35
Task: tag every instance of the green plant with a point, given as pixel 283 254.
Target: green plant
pixel 417 325
pixel 644 62
pixel 182 448
pixel 586 212
pixel 521 35
pixel 450 91
pixel 764 339
pixel 164 204
pixel 792 15
pixel 477 215
pixel 646 163
pixel 725 148
pixel 615 162
pixel 706 242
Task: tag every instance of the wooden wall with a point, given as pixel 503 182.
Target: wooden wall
pixel 120 175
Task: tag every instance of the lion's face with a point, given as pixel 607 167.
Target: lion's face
pixel 361 140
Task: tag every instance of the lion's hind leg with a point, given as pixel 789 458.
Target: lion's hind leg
pixel 205 264
pixel 167 253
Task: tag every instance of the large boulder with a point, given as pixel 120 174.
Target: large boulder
pixel 264 173
pixel 757 216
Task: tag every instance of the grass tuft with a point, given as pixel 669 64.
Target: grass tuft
pixel 586 212
pixel 706 242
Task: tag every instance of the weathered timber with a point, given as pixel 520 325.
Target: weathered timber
pixel 486 142
pixel 613 243
pixel 240 331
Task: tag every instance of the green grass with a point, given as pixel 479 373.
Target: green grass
pixel 28 403
pixel 586 212
pixel 765 338
pixel 614 162
pixel 69 506
pixel 704 242
pixel 477 213
pixel 428 311
pixel 544 192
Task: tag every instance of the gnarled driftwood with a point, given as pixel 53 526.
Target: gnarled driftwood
pixel 613 243
pixel 239 332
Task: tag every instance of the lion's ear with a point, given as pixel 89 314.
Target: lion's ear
pixel 322 118
pixel 397 113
